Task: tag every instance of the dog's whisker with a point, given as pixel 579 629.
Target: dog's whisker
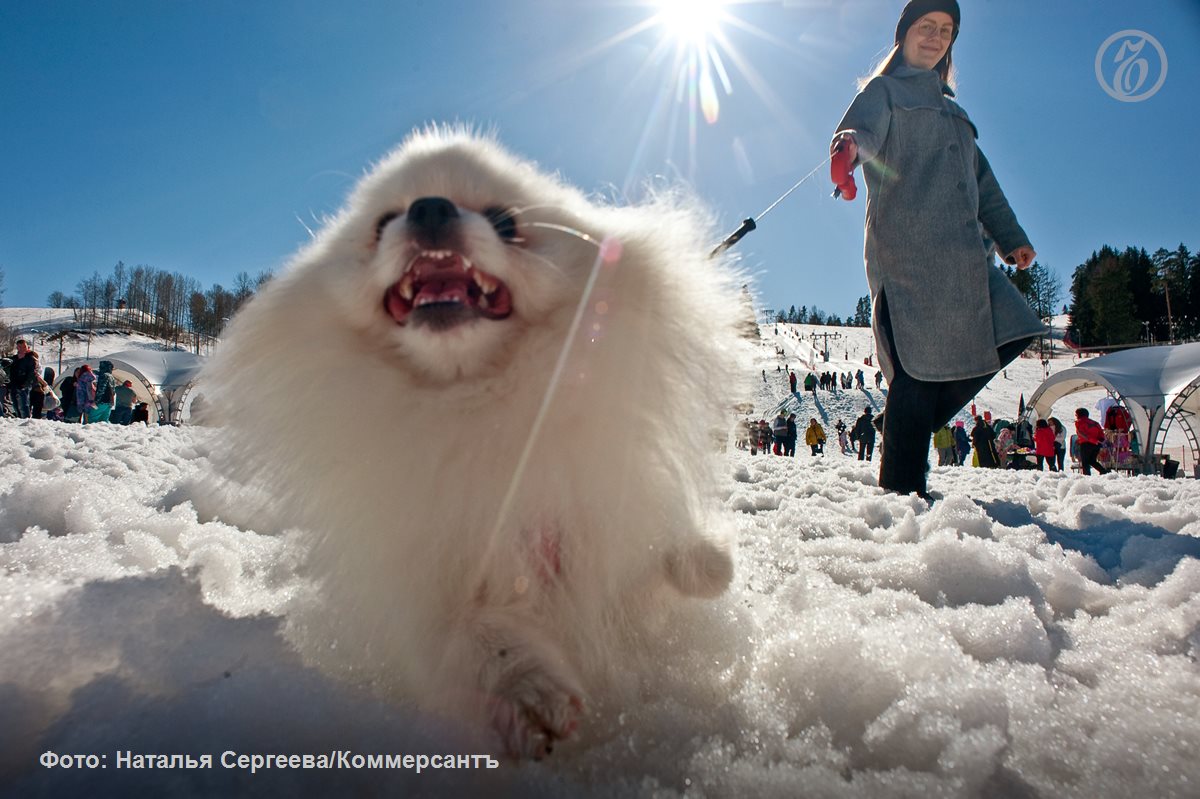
pixel 518 210
pixel 563 229
pixel 311 235
pixel 511 214
pixel 553 266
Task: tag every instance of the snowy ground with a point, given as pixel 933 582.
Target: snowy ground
pixel 1030 635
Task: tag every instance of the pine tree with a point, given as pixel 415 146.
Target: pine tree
pixel 862 312
pixel 1148 306
pixel 1109 292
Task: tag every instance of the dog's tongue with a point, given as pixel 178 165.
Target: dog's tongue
pixel 440 278
pixel 452 288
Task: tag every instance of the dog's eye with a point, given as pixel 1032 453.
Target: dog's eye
pixel 382 223
pixel 503 221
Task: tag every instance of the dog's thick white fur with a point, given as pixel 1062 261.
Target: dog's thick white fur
pixel 488 528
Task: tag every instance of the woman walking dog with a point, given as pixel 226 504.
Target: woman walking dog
pixel 944 318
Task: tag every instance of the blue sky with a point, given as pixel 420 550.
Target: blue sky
pixel 202 137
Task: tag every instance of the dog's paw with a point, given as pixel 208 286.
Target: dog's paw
pixel 703 569
pixel 533 713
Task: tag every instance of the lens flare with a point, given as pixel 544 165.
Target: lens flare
pixel 694 25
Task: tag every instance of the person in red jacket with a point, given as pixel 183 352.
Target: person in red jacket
pixel 1090 436
pixel 1043 444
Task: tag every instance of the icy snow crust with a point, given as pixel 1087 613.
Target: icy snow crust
pixel 1026 636
pixel 1029 635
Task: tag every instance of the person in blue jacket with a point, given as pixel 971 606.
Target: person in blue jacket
pixel 962 442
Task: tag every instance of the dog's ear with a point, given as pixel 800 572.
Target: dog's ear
pixel 703 569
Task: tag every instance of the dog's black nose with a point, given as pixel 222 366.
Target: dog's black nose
pixel 431 214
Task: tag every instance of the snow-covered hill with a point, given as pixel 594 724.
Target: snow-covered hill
pixel 59 337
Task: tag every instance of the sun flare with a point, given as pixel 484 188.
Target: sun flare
pixel 692 59
pixel 691 22
pixel 695 27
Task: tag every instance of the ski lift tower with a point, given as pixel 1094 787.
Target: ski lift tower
pixel 827 335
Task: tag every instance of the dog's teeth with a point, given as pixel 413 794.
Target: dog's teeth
pixel 406 290
pixel 483 301
pixel 485 283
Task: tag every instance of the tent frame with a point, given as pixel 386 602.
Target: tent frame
pixel 1154 403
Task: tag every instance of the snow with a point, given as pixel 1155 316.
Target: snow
pixel 1031 634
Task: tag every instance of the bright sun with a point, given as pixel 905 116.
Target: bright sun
pixel 692 22
pixel 695 26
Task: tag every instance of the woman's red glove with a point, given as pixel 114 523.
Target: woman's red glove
pixel 841 168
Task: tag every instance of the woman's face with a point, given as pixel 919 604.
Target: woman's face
pixel 928 39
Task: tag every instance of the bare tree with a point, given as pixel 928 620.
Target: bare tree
pixel 8 338
pixel 169 305
pixel 1171 274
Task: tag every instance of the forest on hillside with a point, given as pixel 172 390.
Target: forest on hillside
pixel 1116 298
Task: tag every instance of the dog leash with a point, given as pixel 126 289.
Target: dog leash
pixel 751 223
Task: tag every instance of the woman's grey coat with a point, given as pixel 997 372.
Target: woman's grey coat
pixel 933 209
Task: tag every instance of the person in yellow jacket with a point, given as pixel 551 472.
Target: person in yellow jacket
pixel 943 442
pixel 814 436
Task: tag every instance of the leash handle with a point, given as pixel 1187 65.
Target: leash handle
pixel 733 238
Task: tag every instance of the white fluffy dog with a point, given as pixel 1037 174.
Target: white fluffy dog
pixel 492 402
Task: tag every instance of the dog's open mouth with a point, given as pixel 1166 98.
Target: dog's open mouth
pixel 442 288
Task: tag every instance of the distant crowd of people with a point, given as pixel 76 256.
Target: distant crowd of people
pixel 1002 444
pixel 986 442
pixel 780 437
pixel 827 381
pixel 763 436
pixel 27 392
pixel 832 381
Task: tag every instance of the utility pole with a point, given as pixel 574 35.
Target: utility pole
pixel 61 338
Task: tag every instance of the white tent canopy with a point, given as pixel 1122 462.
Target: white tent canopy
pixel 162 379
pixel 1157 385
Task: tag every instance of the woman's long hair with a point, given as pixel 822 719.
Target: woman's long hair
pixel 895 58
